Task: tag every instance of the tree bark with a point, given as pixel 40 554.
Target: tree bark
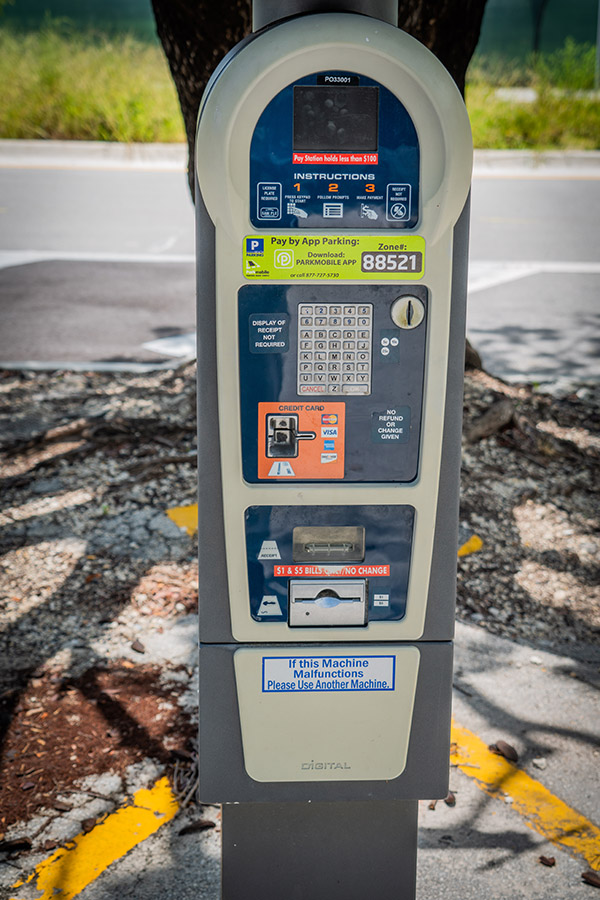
pixel 449 28
pixel 196 34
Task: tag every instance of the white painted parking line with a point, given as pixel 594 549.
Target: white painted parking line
pixel 10 258
pixel 486 274
pixel 179 345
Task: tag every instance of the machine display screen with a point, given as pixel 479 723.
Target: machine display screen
pixel 335 118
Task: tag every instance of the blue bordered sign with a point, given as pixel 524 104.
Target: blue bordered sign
pixel 315 674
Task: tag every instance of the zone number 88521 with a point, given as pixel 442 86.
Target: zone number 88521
pixel 391 262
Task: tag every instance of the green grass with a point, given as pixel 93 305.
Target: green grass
pixel 66 84
pixel 564 115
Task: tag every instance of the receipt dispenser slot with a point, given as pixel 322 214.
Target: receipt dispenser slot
pixel 335 544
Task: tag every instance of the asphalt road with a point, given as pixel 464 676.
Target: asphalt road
pixel 96 260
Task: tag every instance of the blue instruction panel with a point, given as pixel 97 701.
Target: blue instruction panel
pixel 335 150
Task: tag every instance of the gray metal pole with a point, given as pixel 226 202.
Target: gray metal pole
pixel 320 851
pixel 265 12
pixel 597 72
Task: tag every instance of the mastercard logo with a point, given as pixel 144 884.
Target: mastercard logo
pixel 329 419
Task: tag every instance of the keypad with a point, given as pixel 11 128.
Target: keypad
pixel 334 348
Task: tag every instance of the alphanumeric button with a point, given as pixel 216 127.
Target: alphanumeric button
pixel 306 345
pixel 349 378
pixel 334 378
pixel 320 367
pixel 306 356
pixel 349 355
pixel 306 320
pixel 334 345
pixel 349 345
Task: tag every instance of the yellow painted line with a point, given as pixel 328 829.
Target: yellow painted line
pixel 543 812
pixel 69 870
pixel 185 517
pixel 471 546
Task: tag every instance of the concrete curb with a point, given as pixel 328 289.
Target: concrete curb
pixel 571 163
pixel 93 154
pixel 173 157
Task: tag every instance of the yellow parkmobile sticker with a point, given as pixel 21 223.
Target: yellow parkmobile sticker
pixel 348 257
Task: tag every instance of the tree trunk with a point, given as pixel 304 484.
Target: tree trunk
pixel 196 34
pixel 449 28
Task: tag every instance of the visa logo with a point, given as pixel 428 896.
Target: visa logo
pixel 329 432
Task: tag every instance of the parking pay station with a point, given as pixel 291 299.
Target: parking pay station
pixel 333 169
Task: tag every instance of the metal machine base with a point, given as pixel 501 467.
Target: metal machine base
pixel 320 851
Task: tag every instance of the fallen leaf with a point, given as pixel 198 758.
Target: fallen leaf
pixel 432 804
pixel 501 748
pixel 49 845
pixel 27 785
pixel 450 799
pixel 62 806
pixel 17 845
pixel 87 825
pixel 547 861
pixel 199 825
pixel 592 878
pixel 138 646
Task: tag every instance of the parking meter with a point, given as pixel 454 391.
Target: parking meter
pixel 333 164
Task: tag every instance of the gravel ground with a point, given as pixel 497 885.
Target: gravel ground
pixel 98 587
